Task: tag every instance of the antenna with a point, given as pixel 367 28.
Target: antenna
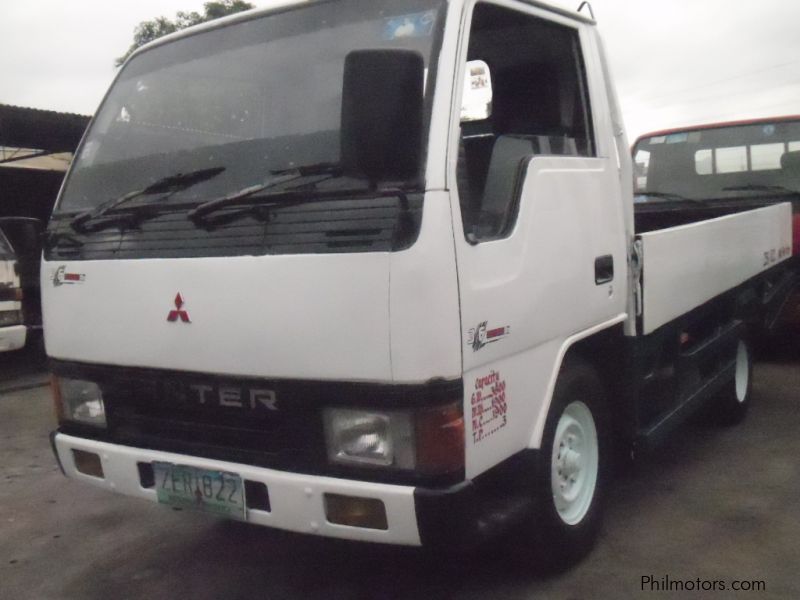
pixel 587 4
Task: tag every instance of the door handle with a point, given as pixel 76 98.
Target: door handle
pixel 603 269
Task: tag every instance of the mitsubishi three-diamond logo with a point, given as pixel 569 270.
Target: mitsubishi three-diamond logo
pixel 178 312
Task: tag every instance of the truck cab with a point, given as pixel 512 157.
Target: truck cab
pixel 370 271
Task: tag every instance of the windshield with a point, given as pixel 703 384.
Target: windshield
pixel 739 161
pixel 246 99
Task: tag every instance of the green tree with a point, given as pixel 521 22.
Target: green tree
pixel 147 31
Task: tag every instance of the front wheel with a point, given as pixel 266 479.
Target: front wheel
pixel 575 463
pixel 571 474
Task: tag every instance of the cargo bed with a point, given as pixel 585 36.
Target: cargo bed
pixel 684 267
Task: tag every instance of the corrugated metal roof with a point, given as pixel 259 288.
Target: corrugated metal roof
pixel 22 127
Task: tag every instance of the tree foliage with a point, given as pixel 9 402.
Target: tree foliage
pixel 147 31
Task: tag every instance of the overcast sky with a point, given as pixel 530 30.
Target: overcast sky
pixel 675 62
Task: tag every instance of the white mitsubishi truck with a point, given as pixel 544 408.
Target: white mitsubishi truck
pixel 370 270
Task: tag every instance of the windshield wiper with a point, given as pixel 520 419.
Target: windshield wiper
pixel 166 185
pixel 252 194
pixel 756 187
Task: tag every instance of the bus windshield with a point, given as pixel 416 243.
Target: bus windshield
pixel 719 163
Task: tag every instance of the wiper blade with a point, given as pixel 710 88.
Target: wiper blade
pixel 166 185
pixel 233 198
pixel 257 204
pixel 756 187
pixel 253 192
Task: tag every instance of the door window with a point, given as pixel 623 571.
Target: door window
pixel 539 107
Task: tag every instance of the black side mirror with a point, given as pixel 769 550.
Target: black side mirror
pixel 382 107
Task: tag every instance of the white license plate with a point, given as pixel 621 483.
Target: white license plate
pixel 214 492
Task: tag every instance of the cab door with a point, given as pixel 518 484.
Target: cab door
pixel 540 239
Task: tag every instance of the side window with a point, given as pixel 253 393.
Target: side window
pixel 766 157
pixel 731 160
pixel 704 162
pixel 641 163
pixel 538 105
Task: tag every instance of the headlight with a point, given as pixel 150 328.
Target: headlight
pixel 10 317
pixel 79 401
pixel 426 440
pixel 384 439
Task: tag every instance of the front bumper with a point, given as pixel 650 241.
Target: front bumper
pixel 462 515
pixel 12 338
pixel 296 500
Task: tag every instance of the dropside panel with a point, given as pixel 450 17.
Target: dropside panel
pixel 685 267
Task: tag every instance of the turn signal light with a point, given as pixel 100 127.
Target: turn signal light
pixel 353 511
pixel 440 439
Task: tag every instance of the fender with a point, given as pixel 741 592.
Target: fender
pixel 537 431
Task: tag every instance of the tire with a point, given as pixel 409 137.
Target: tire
pixel 730 405
pixel 572 470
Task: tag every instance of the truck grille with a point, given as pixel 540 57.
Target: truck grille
pixel 165 415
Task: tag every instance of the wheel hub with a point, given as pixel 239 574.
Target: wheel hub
pixel 575 463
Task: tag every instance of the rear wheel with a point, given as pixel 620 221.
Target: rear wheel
pixel 730 406
pixel 571 474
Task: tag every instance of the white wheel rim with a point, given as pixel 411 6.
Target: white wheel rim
pixel 574 463
pixel 742 372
